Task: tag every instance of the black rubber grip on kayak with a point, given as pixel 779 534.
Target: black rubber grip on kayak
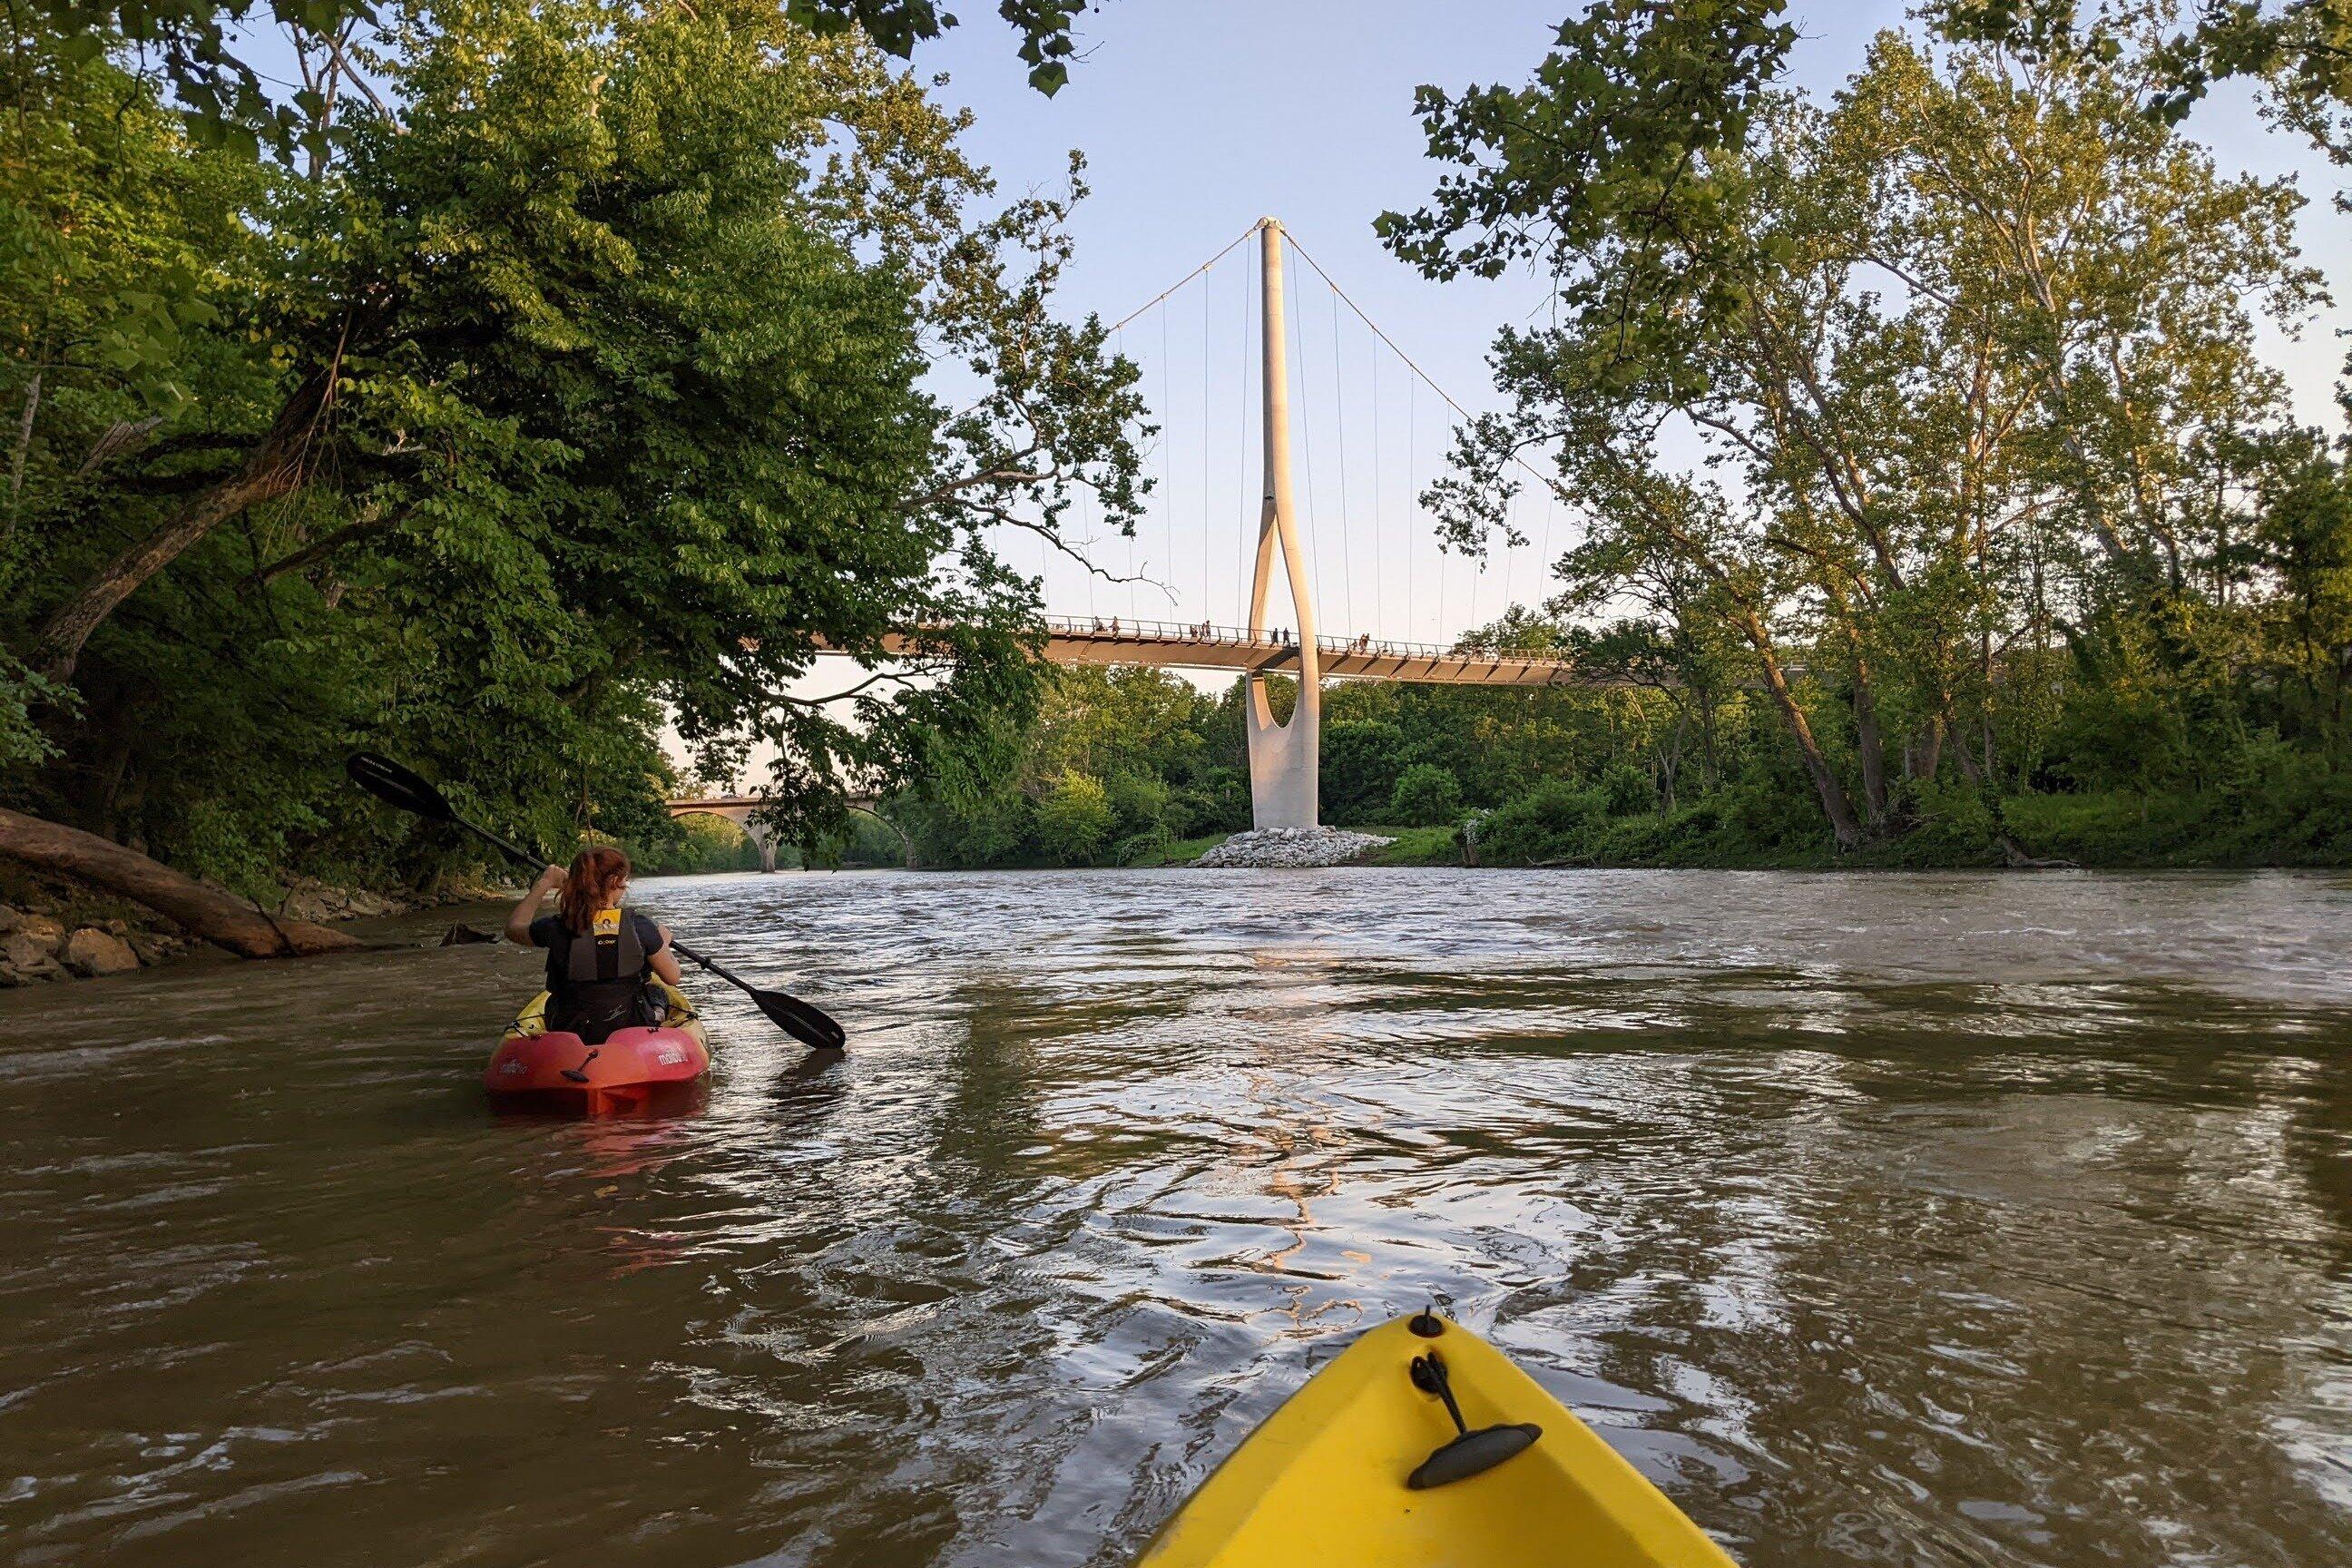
pixel 1473 1453
pixel 1469 1453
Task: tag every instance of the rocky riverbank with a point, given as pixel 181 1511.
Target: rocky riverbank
pixel 1293 847
pixel 49 931
pixel 37 946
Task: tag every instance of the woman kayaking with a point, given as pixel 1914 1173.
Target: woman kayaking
pixel 599 955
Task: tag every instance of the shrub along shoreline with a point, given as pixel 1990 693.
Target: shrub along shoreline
pixel 1139 768
pixel 2108 832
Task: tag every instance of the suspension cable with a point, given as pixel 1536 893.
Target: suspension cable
pixel 1118 347
pixel 1208 365
pixel 1339 419
pixel 1410 362
pixel 1189 276
pixel 1412 505
pixel 1551 515
pixel 1241 468
pixel 1167 456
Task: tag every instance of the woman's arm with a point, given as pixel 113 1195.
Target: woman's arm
pixel 518 923
pixel 662 960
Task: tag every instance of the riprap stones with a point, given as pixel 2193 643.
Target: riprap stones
pixel 1293 847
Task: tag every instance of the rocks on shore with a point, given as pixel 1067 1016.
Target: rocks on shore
pixel 1293 847
pixel 93 951
pixel 37 944
pixel 35 947
pixel 309 899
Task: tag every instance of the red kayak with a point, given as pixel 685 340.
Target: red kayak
pixel 628 1072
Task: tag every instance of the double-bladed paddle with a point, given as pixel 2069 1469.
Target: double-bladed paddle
pixel 397 785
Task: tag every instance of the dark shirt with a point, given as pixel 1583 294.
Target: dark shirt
pixel 548 931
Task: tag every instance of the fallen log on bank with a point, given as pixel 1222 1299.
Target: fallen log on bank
pixel 202 911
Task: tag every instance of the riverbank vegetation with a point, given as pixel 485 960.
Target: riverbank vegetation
pixel 538 388
pixel 1939 505
pixel 1926 423
pixel 1140 768
pixel 535 383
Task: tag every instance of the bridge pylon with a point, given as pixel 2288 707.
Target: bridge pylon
pixel 1285 759
pixel 742 811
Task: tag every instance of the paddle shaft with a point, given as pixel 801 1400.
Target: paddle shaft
pixel 528 861
pixel 729 975
pixel 390 782
pixel 514 852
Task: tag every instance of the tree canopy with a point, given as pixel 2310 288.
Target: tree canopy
pixel 1940 398
pixel 591 382
pixel 195 51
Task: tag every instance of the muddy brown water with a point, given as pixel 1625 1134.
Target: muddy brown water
pixel 1878 1219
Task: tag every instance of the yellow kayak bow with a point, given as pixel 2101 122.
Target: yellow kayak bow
pixel 1422 1445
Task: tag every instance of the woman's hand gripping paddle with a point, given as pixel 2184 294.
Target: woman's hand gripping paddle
pixel 397 785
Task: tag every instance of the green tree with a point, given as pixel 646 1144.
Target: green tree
pixel 195 47
pixel 1425 796
pixel 2303 540
pixel 703 844
pixel 1360 765
pixel 583 389
pixel 1073 819
pixel 1975 343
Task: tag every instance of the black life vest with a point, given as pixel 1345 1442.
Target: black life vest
pixel 596 979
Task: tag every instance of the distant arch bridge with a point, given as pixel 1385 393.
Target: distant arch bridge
pixel 743 810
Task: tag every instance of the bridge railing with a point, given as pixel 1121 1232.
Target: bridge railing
pixel 1365 647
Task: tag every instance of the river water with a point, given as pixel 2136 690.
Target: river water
pixel 1879 1220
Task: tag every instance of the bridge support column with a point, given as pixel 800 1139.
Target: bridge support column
pixel 738 810
pixel 1285 759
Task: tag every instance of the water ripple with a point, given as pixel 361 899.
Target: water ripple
pixel 1879 1220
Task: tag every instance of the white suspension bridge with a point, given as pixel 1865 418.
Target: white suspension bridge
pixel 1409 575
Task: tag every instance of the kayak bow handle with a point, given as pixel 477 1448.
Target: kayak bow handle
pixel 1467 1453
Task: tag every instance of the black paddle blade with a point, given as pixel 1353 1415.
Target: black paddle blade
pixel 403 787
pixel 395 785
pixel 812 1026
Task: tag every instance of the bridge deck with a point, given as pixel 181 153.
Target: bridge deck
pixel 1204 645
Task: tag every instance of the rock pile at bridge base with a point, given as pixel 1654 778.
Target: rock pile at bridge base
pixel 1292 846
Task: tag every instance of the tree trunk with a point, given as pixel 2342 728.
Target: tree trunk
pixel 1834 804
pixel 1670 758
pixel 201 910
pixel 1712 778
pixel 1869 744
pixel 275 469
pixel 24 437
pixel 1988 788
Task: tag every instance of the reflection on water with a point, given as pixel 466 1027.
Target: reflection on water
pixel 1879 1220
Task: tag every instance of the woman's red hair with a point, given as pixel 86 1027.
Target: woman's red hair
pixel 588 885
